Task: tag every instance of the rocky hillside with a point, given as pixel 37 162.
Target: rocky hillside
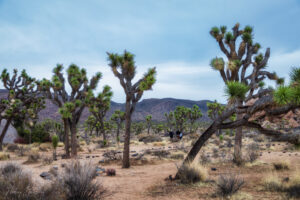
pixel 154 107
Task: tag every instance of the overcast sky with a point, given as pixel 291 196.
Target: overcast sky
pixel 171 35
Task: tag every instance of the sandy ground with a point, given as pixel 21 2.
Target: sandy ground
pixel 149 181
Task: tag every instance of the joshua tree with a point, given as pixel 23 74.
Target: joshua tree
pixel 148 122
pixel 181 115
pixel 239 58
pixel 123 67
pixel 193 115
pixel 260 103
pixel 99 106
pixel 70 105
pixel 170 121
pixel 158 128
pixel 23 100
pixel 55 140
pixel 118 117
pixel 214 110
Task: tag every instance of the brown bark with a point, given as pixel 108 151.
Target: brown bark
pixel 237 155
pixel 73 140
pixel 3 133
pixel 67 145
pixel 198 145
pixel 126 161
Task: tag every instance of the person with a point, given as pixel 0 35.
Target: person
pixel 171 134
pixel 180 135
pixel 177 134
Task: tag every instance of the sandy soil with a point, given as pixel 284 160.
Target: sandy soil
pixel 150 181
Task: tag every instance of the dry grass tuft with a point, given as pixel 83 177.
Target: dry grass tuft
pixel 192 173
pixel 159 144
pixel 272 183
pixel 282 165
pixel 227 185
pixel 4 156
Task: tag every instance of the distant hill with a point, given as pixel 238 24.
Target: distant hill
pixel 154 107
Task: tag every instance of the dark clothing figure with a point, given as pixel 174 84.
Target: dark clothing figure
pixel 179 135
pixel 171 134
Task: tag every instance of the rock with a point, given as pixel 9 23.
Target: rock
pixel 135 155
pixel 55 167
pixel 213 169
pixel 87 157
pixel 46 175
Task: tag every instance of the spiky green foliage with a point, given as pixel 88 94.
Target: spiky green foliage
pixel 214 109
pixel 282 95
pixel 228 37
pixel 55 141
pixel 181 114
pixel 236 91
pixel 261 84
pixel 217 63
pixel 194 114
pixel 295 75
pixel 170 121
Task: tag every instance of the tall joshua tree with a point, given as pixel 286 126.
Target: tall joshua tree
pixel 123 67
pixel 23 100
pixel 118 117
pixel 240 56
pixel 70 105
pixel 170 121
pixel 194 114
pixel 148 122
pixel 99 105
pixel 261 103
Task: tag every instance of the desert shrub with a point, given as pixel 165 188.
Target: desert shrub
pixel 77 182
pixel 204 159
pixel 271 182
pixel 110 172
pixel 39 134
pixel 60 144
pixel 149 138
pixel 9 169
pixel 45 146
pixel 161 153
pixel 221 137
pixel 4 156
pixel 228 185
pixel 282 165
pixel 293 187
pixel 33 157
pixel 12 147
pixel 47 160
pixel 14 183
pixel 192 173
pixel 22 150
pixel 215 152
pixel 253 152
pixel 259 138
pixel 177 156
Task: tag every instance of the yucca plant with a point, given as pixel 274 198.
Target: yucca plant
pixel 235 91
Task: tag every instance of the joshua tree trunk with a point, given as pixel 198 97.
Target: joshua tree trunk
pixel 103 131
pixel 4 132
pixel 238 141
pixel 126 162
pixel 118 133
pixel 67 145
pixel 148 131
pixel 73 140
pixel 54 154
pixel 198 145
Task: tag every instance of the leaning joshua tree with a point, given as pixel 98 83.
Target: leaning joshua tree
pixel 70 105
pixel 241 53
pixel 123 67
pixel 118 117
pixel 260 105
pixel 148 122
pixel 99 105
pixel 23 100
